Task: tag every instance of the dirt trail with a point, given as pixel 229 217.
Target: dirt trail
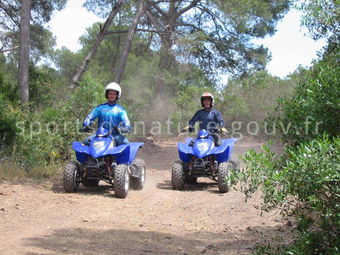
pixel 42 219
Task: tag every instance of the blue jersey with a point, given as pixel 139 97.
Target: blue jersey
pixel 110 116
pixel 208 120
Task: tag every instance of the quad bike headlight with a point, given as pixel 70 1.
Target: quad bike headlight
pixel 203 146
pixel 98 145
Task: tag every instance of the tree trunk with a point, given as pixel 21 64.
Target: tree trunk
pixel 25 16
pixel 81 70
pixel 123 58
pixel 167 25
pixel 167 60
pixel 116 54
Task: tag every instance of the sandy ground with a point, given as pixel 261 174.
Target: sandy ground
pixel 42 219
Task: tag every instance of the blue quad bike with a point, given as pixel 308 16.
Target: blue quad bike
pixel 103 160
pixel 200 157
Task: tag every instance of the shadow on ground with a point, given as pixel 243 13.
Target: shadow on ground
pixel 102 188
pixel 122 241
pixel 200 186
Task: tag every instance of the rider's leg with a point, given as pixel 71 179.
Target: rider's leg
pixel 191 144
pixel 120 139
pixel 217 139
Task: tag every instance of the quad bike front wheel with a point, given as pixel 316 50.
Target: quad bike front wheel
pixel 224 177
pixel 177 176
pixel 235 163
pixel 139 182
pixel 71 177
pixel 121 181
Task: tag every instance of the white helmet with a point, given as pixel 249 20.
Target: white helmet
pixel 113 86
pixel 207 95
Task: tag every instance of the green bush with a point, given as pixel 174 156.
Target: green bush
pixel 42 85
pixel 7 89
pixel 7 122
pixel 305 183
pixel 314 109
pixel 249 99
pixel 39 140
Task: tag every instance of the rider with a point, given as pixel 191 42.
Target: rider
pixel 110 115
pixel 209 118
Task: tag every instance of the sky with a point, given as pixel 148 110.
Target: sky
pixel 289 46
pixel 71 23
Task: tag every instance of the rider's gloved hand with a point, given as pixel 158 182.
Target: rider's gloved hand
pixel 85 129
pixel 188 129
pixel 124 129
pixel 224 131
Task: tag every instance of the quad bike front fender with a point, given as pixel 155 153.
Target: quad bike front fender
pixel 223 152
pixel 82 151
pixel 126 153
pixel 134 148
pixel 185 151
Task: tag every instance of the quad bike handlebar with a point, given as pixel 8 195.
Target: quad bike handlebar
pixel 86 129
pixel 122 129
pixel 222 131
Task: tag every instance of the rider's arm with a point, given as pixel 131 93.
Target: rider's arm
pixel 125 122
pixel 91 117
pixel 194 119
pixel 219 119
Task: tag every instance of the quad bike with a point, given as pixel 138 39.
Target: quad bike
pixel 103 160
pixel 200 157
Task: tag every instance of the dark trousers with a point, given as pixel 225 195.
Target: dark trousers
pixel 217 139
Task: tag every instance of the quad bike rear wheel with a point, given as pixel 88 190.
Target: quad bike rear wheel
pixel 139 182
pixel 121 181
pixel 71 177
pixel 224 177
pixel 177 176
